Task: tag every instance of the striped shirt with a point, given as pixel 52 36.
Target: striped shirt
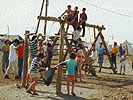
pixel 33 48
pixel 34 62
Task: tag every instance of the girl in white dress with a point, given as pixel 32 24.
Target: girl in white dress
pixel 123 63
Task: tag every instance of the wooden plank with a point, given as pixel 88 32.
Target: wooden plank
pixel 59 20
pixel 94 33
pixel 25 60
pixel 108 55
pixel 102 67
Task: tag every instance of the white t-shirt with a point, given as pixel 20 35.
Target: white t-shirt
pixel 12 53
pixel 45 50
pixel 76 35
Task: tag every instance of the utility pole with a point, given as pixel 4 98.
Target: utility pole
pixel 46 11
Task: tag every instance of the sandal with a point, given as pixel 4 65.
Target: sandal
pixel 35 94
pixel 28 92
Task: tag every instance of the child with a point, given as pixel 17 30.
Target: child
pixel 79 60
pixel 123 63
pixel 20 53
pixel 40 47
pixel 83 19
pixel 76 35
pixel 75 18
pixel 12 59
pixel 93 49
pixel 69 15
pixel 5 56
pixel 45 42
pixel 71 68
pixel 79 41
pixel 32 73
pixel 49 55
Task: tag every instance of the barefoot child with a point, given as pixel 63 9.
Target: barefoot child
pixel 71 68
pixel 32 73
pixel 123 63
pixel 79 60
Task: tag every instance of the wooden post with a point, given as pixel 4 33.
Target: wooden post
pixel 94 33
pixel 61 53
pixel 25 59
pixel 40 15
pixel 111 63
pixel 46 11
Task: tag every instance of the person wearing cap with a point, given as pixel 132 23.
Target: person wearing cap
pixel 20 53
pixel 5 55
pixel 100 53
pixel 79 42
pixel 114 51
pixel 79 60
pixel 33 45
pixel 75 18
pixel 83 19
pixel 69 15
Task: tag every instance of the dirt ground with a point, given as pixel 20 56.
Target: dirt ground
pixel 106 86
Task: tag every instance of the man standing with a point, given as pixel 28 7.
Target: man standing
pixel 114 51
pixel 83 19
pixel 20 53
pixel 100 53
pixel 5 56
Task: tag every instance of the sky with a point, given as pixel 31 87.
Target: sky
pixel 21 15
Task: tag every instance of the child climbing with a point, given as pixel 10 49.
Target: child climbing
pixel 32 73
pixel 123 63
pixel 79 60
pixel 71 68
pixel 93 50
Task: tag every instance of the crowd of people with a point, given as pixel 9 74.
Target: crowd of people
pixel 40 54
pixel 74 17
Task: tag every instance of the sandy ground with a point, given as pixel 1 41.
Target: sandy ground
pixel 106 86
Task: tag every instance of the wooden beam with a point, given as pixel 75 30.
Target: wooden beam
pixel 40 15
pixel 61 54
pixel 94 33
pixel 108 55
pixel 60 20
pixel 25 59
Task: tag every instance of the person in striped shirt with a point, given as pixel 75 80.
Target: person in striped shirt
pixel 32 73
pixel 33 45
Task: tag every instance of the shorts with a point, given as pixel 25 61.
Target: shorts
pixel 70 76
pixel 32 74
pixel 100 59
pixel 69 18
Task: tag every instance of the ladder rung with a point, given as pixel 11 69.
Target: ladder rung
pixel 102 67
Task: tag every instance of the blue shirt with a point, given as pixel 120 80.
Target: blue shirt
pixel 34 62
pixel 71 67
pixel 100 51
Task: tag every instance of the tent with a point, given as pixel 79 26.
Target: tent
pixel 129 48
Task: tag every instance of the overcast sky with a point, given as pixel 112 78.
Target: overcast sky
pixel 21 15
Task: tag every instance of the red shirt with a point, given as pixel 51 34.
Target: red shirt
pixel 20 51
